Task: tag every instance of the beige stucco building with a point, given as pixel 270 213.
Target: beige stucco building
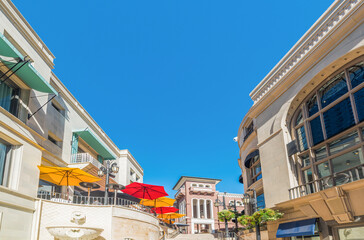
pixel 41 123
pixel 301 142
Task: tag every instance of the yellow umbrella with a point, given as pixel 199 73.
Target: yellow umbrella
pixel 159 202
pixel 65 176
pixel 169 216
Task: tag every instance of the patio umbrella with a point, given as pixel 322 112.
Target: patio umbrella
pixel 170 216
pixel 64 176
pixel 162 210
pixel 158 202
pixel 145 191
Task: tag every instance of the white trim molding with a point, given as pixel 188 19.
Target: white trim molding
pixel 334 16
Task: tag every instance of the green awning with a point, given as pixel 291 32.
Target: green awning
pixel 91 139
pixel 9 56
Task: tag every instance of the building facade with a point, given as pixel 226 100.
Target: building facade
pixel 301 143
pixel 41 123
pixel 196 199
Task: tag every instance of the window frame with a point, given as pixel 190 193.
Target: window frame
pixel 358 126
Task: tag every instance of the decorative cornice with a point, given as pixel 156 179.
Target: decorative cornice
pixel 334 16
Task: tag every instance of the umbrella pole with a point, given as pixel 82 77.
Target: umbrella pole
pixel 114 196
pixel 68 191
pixel 88 199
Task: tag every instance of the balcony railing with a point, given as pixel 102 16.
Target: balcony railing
pixel 181 191
pixel 75 199
pixel 85 158
pixel 336 179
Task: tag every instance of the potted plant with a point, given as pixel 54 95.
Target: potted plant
pixel 225 215
pixel 259 218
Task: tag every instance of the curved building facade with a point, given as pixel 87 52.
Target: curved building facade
pixel 301 142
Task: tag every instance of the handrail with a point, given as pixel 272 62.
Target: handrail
pixel 85 158
pixel 75 199
pixel 336 179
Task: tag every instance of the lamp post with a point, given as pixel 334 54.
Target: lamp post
pixel 253 201
pixel 107 170
pixel 233 205
pixel 219 203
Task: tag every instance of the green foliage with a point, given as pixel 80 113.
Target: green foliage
pixel 225 214
pixel 260 217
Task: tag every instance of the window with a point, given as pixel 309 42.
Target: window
pixel 9 96
pixel 249 130
pixel 54 139
pixel 200 185
pixel 255 169
pixel 351 233
pixel 58 107
pixel 329 124
pixel 208 209
pixel 194 185
pixel 137 178
pixel 5 160
pixel 260 201
pixel 194 208
pixel 207 186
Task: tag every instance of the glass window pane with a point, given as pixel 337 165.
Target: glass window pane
pixel 299 118
pixel 4 165
pixel 356 74
pixel 307 175
pixel 5 96
pixel 353 233
pixel 334 89
pixel 302 141
pixel 338 118
pixel 312 106
pixel 320 154
pixel 323 169
pixel 342 143
pixel 256 169
pixel 316 130
pixel 347 160
pixel 305 160
pixel 261 201
pixel 359 103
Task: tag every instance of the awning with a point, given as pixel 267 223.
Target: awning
pixel 250 157
pixel 297 229
pixel 9 56
pixel 241 180
pixel 92 140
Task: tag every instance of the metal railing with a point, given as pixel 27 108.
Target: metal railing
pixel 76 199
pixel 336 179
pixel 180 191
pixel 222 235
pixel 85 158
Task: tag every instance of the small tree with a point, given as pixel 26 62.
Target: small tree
pixel 260 217
pixel 225 215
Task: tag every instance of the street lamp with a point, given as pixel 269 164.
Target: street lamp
pixel 233 205
pixel 253 201
pixel 107 170
pixel 218 203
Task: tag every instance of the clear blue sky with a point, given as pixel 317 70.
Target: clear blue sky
pixel 170 80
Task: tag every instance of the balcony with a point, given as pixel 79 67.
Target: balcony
pixel 336 179
pixel 202 190
pixel 85 158
pixel 180 193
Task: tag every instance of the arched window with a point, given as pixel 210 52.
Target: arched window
pixel 194 185
pixel 194 208
pixel 328 126
pixel 200 185
pixel 207 186
pixel 208 209
pixel 202 209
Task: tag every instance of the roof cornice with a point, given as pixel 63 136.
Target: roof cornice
pixel 333 17
pixel 27 31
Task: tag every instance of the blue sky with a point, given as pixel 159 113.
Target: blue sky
pixel 170 80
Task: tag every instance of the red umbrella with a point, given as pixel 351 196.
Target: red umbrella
pixel 162 210
pixel 145 191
